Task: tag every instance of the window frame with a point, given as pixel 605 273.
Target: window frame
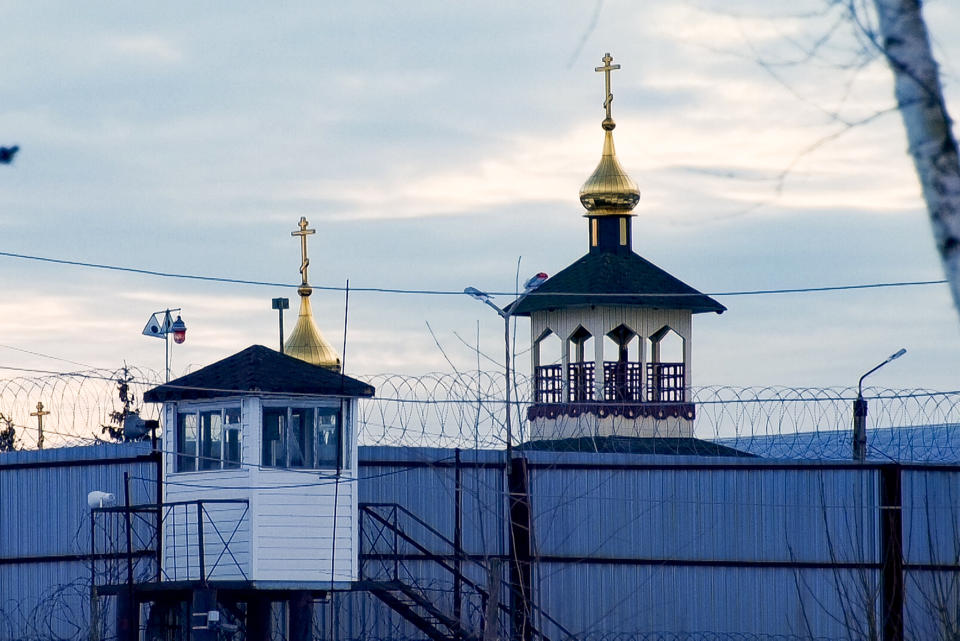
pixel 193 461
pixel 288 434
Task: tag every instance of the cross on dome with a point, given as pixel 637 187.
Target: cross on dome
pixel 306 342
pixel 304 261
pixel 608 123
pixel 609 191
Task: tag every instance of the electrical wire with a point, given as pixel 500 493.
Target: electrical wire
pixel 438 292
pixel 41 354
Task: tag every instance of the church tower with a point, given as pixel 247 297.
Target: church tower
pixel 611 333
pixel 306 342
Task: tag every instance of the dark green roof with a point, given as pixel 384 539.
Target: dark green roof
pixel 635 445
pixel 258 370
pixel 606 278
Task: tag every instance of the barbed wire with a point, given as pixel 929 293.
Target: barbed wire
pixel 467 410
pixel 79 403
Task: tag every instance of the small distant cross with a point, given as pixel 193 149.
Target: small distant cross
pixel 39 414
pixel 303 233
pixel 606 69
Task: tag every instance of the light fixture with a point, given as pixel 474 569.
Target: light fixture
pixel 860 411
pixel 280 304
pixel 179 329
pixel 505 313
pixel 97 499
pixel 162 325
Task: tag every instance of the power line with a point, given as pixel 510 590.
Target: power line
pixel 440 292
pixel 56 358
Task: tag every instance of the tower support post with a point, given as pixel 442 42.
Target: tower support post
pixel 301 616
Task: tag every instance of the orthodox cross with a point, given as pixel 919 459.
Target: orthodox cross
pixel 39 414
pixel 606 69
pixel 304 261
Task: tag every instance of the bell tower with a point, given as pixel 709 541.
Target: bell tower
pixel 611 334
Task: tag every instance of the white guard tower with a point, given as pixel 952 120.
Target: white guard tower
pixel 611 333
pixel 259 491
pixel 262 448
pixel 261 451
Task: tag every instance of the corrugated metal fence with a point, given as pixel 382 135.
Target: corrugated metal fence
pixel 661 547
pixel 45 532
pixel 623 545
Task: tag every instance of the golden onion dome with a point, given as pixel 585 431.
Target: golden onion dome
pixel 609 190
pixel 306 342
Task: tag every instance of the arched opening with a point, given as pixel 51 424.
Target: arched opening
pixel 622 369
pixel 548 368
pixel 580 377
pixel 666 375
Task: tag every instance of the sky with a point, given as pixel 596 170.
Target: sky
pixel 436 145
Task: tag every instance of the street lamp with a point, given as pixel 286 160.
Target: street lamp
pixel 860 412
pixel 505 314
pixel 162 325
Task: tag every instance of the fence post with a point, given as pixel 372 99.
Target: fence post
pixel 94 598
pixel 520 570
pixel 159 503
pixel 129 527
pixel 203 571
pixel 360 540
pixel 396 543
pixel 457 538
pixel 891 551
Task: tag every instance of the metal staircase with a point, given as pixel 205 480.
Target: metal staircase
pixel 392 560
pixel 416 608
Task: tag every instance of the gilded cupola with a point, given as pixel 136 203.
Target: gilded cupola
pixel 609 191
pixel 306 342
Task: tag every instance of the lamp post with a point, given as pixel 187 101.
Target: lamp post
pixel 860 412
pixel 484 298
pixel 162 325
pixel 281 304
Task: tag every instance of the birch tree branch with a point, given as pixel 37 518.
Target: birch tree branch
pixel 905 44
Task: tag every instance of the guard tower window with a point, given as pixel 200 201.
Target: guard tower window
pixel 302 437
pixel 208 439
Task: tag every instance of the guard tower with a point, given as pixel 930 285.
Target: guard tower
pixel 268 443
pixel 259 492
pixel 611 333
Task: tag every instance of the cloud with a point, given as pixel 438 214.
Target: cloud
pixel 453 142
pixel 149 48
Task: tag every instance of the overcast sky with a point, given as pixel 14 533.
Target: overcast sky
pixel 431 145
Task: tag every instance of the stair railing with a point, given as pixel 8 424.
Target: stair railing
pixel 392 522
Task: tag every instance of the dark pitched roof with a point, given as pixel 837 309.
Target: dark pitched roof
pixel 606 278
pixel 635 445
pixel 255 370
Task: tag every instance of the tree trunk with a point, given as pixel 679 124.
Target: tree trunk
pixel 906 45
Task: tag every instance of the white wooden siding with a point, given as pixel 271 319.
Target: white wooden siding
pixel 305 533
pixel 301 526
